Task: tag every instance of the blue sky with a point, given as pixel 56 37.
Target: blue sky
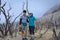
pixel 37 7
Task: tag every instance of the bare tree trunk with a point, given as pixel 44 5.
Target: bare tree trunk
pixel 8 26
pixel 0 2
pixel 27 6
pixel 0 6
pixel 59 35
pixel 56 24
pixel 1 30
pixel 55 35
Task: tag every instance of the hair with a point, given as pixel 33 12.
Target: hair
pixel 24 11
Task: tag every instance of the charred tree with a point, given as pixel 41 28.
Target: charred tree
pixel 0 6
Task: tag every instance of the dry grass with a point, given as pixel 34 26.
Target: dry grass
pixel 47 35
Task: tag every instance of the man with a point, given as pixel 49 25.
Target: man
pixel 32 26
pixel 23 23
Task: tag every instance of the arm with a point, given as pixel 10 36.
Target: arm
pixel 20 21
pixel 27 19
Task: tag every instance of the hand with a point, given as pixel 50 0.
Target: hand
pixel 20 28
pixel 35 27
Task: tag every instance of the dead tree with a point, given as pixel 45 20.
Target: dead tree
pixel 4 13
pixel 40 30
pixel 54 35
pixel 54 24
pixel 27 6
pixel 59 35
pixel 0 6
pixel 1 30
pixel 8 25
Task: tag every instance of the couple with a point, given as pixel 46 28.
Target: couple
pixel 23 22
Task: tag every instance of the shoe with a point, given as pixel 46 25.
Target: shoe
pixel 24 39
pixel 32 39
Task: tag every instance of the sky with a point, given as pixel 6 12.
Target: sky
pixel 37 7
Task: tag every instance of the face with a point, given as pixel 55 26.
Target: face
pixel 24 13
pixel 31 14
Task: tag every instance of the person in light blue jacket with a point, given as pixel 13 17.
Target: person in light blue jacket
pixel 31 19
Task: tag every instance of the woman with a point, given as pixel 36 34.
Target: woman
pixel 31 25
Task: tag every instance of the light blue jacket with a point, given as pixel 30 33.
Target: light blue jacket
pixel 31 21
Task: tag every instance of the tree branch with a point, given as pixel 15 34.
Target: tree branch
pixel 9 9
pixel 16 18
pixel 8 12
pixel 4 4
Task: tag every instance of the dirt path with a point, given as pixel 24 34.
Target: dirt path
pixel 19 37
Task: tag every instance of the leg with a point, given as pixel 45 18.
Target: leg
pixel 32 37
pixel 31 29
pixel 24 33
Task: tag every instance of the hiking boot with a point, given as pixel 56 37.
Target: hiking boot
pixel 24 39
pixel 32 39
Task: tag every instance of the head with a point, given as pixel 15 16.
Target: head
pixel 24 12
pixel 31 14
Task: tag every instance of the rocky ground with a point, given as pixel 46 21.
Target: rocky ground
pixel 46 36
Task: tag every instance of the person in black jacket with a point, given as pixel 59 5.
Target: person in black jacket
pixel 23 23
